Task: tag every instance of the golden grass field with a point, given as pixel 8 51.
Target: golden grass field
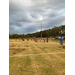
pixel 31 58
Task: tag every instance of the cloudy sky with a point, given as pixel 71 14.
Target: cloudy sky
pixel 24 15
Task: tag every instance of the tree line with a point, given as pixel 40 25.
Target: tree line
pixel 55 31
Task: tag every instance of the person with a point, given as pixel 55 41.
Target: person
pixel 23 39
pixel 35 40
pixel 27 39
pixel 31 39
pixel 61 42
pixel 47 39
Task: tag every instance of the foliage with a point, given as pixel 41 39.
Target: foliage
pixel 56 31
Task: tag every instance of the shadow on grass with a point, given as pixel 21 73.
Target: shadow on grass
pixel 23 49
pixel 15 51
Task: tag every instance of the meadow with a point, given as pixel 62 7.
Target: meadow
pixel 36 58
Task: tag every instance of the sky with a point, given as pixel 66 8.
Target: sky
pixel 24 15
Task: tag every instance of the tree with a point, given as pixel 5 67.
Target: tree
pixel 55 31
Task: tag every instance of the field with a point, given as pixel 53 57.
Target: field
pixel 36 58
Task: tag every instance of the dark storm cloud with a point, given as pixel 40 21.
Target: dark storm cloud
pixel 24 15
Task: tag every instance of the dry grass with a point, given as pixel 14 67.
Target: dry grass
pixel 49 64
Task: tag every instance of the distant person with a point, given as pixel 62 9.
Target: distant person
pixel 23 39
pixel 47 39
pixel 31 39
pixel 61 42
pixel 35 40
pixel 27 39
